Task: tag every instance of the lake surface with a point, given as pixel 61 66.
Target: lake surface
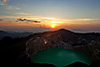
pixel 60 57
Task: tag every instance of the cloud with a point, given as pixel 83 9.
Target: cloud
pixel 28 20
pixel 37 21
pixel 4 0
pixel 47 20
pixel 21 19
pixel 84 19
pixel 12 7
pixel 22 13
pixel 2 3
pixel 79 20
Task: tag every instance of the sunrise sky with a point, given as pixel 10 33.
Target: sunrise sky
pixel 41 15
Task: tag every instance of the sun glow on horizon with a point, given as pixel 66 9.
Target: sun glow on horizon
pixel 53 26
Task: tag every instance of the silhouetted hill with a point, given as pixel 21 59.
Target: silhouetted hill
pixel 67 35
pixel 2 32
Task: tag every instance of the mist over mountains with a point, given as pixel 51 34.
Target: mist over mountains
pixel 14 34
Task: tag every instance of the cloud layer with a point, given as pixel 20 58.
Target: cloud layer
pixel 28 20
pixel 12 7
pixel 22 13
pixel 4 0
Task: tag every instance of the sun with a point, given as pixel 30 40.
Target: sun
pixel 53 26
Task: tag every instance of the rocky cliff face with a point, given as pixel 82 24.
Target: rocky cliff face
pixel 86 43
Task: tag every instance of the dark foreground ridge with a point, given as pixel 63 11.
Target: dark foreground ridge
pixel 18 51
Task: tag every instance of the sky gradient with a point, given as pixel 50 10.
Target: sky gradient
pixel 40 15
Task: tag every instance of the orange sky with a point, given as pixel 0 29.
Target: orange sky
pixel 47 22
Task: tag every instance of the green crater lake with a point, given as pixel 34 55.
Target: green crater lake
pixel 60 57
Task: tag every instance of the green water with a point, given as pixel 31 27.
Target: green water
pixel 60 57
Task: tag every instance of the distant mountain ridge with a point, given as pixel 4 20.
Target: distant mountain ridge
pixel 14 34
